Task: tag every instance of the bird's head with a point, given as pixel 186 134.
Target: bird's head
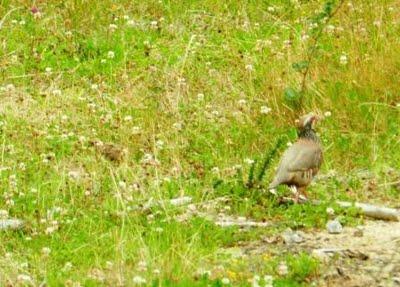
pixel 307 121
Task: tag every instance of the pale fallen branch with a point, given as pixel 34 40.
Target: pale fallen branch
pixel 6 15
pixel 378 212
pixel 373 211
pixel 178 201
pixel 229 223
pixel 320 252
pixel 393 183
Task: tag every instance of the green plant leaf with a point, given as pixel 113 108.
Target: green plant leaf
pixel 292 97
pixel 300 66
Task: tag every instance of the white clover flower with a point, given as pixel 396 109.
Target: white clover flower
pixel 10 87
pixel 10 202
pixel 46 251
pixel 200 96
pixel 225 281
pixel 122 184
pixel 156 271
pixel 271 9
pixel 109 265
pixel 249 161
pixel 159 144
pixel 142 266
pixel 242 102
pixel 215 170
pixel 330 28
pixel 215 113
pixel 268 281
pixel 103 61
pixel 22 166
pixel 22 22
pixel 112 27
pixel 305 37
pixel 3 214
pixel 343 60
pixel 24 278
pixel 237 167
pixel 51 229
pixel 249 67
pixel 74 174
pixel 159 229
pixel 265 110
pixel 154 24
pixel 67 266
pixel 94 86
pixel 377 23
pixel 128 118
pixel 131 23
pixel 110 55
pixel 255 281
pixel 178 126
pixel 56 92
pixel 327 114
pixel 138 280
pixel 48 70
pixel 147 157
pixel 283 269
pixel 136 130
pixel 330 211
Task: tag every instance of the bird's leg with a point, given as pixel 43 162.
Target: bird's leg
pixel 295 192
pixel 293 189
pixel 302 194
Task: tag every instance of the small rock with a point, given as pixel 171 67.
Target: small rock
pixel 330 211
pixel 359 232
pixel 320 255
pixel 388 268
pixel 356 254
pixel 282 269
pixel 396 280
pixel 365 174
pixel 11 224
pixel 291 237
pixel 334 227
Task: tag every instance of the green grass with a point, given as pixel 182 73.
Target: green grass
pixel 183 81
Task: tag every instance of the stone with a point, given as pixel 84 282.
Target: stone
pixel 292 237
pixel 11 224
pixel 359 232
pixel 320 255
pixel 334 227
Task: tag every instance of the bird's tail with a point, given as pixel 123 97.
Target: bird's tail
pixel 274 184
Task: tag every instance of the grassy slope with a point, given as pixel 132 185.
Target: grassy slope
pixel 146 99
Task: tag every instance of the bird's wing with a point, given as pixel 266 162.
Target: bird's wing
pixel 302 156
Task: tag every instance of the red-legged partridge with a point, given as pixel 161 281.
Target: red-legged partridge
pixel 302 160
